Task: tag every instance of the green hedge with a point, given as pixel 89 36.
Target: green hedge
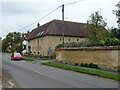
pixel 105 42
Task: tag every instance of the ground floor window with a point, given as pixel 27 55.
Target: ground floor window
pixel 38 53
pixel 69 39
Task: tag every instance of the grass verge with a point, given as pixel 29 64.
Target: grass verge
pixel 86 71
pixel 27 59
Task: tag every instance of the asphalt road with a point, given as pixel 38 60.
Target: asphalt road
pixel 29 75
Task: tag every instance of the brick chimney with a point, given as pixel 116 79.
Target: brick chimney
pixel 28 32
pixel 38 25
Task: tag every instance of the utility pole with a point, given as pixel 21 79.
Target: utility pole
pixel 63 23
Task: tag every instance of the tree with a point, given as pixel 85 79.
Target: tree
pixel 117 13
pixel 115 32
pixel 96 27
pixel 4 45
pixel 19 49
pixel 14 37
pixel 11 38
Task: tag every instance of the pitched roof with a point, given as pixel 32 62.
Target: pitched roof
pixel 24 36
pixel 55 27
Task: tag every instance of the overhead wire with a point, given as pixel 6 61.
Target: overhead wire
pixel 40 18
pixel 74 2
pixel 49 14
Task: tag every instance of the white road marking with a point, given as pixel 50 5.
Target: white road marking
pixel 45 74
pixel 11 84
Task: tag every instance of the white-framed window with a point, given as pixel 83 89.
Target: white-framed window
pixel 77 40
pixel 68 39
pixel 60 39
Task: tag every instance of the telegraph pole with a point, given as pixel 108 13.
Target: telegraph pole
pixel 63 23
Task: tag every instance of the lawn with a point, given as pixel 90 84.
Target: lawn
pixel 86 71
pixel 27 59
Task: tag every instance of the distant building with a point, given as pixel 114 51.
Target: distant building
pixel 25 43
pixel 43 39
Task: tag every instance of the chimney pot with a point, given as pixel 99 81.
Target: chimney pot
pixel 38 25
pixel 27 32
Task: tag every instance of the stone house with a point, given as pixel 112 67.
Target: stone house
pixel 44 38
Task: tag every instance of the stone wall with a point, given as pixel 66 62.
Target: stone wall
pixel 105 57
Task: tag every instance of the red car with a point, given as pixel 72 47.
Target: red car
pixel 16 56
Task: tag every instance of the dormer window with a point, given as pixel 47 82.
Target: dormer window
pixel 40 33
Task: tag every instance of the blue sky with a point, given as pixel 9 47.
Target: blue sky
pixel 17 14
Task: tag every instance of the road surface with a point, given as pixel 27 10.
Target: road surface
pixel 29 75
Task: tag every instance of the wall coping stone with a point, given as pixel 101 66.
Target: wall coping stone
pixel 90 48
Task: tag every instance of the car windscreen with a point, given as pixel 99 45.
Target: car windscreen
pixel 16 53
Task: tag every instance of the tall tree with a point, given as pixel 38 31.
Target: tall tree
pixel 11 39
pixel 14 37
pixel 4 45
pixel 96 27
pixel 19 49
pixel 115 32
pixel 117 12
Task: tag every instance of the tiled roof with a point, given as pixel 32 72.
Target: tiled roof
pixel 55 27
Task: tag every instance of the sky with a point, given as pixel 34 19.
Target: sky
pixel 18 14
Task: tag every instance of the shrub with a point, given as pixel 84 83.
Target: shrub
pixel 91 65
pixel 76 64
pixel 81 64
pixel 61 62
pixel 104 42
pixel 118 70
pixel 73 44
pixel 86 65
pixel 59 46
pixel 66 62
pixel 109 42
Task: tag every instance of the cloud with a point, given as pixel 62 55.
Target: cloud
pixel 41 1
pixel 20 13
